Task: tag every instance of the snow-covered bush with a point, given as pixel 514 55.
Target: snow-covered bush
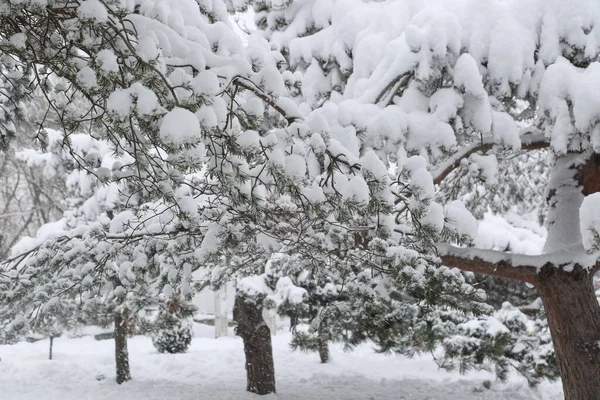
pixel 172 330
pixel 171 334
pixel 13 330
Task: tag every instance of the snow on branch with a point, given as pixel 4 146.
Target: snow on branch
pixel 276 105
pixel 487 262
pixel 529 141
pixel 521 267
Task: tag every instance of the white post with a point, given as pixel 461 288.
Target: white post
pixel 270 317
pixel 221 312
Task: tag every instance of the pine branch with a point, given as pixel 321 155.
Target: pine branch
pixel 267 99
pixel 401 79
pixel 529 141
pixel 520 267
pixel 488 262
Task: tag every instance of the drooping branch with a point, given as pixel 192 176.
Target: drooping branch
pixel 264 97
pixel 400 80
pixel 529 141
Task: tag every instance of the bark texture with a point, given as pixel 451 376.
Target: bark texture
pixel 121 352
pixel 566 290
pixel 323 350
pixel 260 370
pixel 574 320
pixel 50 350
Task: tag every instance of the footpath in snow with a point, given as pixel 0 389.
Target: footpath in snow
pixel 214 369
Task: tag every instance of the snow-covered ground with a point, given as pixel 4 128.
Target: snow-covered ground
pixel 214 369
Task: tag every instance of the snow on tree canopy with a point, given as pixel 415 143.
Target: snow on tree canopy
pixel 589 222
pixel 472 56
pixel 460 220
pixel 180 126
pixel 329 136
pixel 147 107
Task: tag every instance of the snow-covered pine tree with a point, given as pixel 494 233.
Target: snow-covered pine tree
pixel 66 269
pixel 208 164
pixel 55 317
pixel 508 339
pixel 441 88
pixel 29 196
pixel 172 329
pixel 470 83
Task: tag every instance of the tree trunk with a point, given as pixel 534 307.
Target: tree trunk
pixel 50 351
pixel 323 351
pixel 121 353
pixel 568 296
pixel 260 370
pixel 293 323
pixel 567 291
pixel 574 320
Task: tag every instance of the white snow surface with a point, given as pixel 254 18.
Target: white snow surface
pixel 180 126
pixel 460 220
pixel 511 233
pixel 214 369
pixel 589 221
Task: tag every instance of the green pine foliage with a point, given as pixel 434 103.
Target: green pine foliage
pixel 171 334
pixel 172 330
pixel 507 340
pixel 191 160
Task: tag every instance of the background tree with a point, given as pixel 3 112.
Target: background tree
pixel 55 318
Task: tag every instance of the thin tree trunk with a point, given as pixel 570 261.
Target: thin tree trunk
pixel 323 350
pixel 260 370
pixel 50 351
pixel 574 320
pixel 293 323
pixel 121 353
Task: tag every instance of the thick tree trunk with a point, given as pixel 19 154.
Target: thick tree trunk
pixel 121 353
pixel 571 305
pixel 260 370
pixel 323 351
pixel 50 351
pixel 568 295
pixel 574 319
